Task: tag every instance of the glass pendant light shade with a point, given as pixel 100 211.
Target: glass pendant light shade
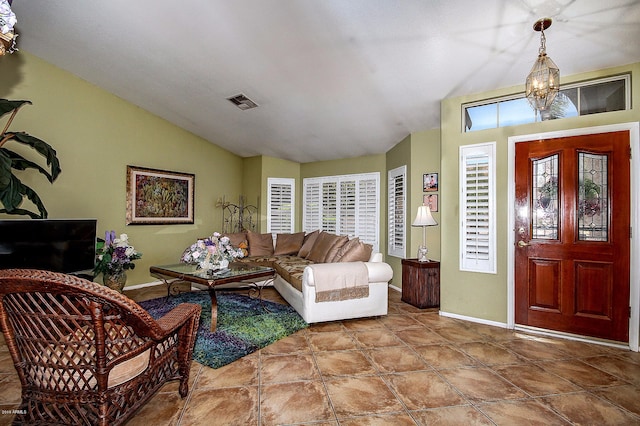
pixel 543 81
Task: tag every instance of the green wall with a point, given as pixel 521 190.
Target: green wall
pixel 480 295
pixel 420 152
pixel 96 135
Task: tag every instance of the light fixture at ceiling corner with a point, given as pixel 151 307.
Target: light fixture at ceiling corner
pixel 7 35
pixel 543 82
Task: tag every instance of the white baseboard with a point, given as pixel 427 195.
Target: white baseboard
pixel 393 287
pixel 474 319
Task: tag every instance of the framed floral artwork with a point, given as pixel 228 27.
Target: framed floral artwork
pixel 430 182
pixel 430 200
pixel 159 196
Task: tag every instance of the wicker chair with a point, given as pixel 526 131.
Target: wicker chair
pixel 86 354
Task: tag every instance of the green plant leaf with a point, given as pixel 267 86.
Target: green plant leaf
pixel 44 149
pixel 18 162
pixel 13 195
pixel 7 106
pixel 5 169
pixel 22 212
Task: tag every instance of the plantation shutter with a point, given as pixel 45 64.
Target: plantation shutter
pixel 397 211
pixel 311 206
pixel 343 205
pixel 478 247
pixel 367 224
pixel 280 205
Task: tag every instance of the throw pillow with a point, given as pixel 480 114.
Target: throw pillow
pixel 309 241
pixel 260 244
pixel 338 243
pixel 360 252
pixel 288 243
pixel 321 247
pixel 237 238
pixel 344 249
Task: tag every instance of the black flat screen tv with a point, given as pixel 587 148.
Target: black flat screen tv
pixel 59 245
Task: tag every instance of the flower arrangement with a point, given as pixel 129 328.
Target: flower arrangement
pixel 212 252
pixel 114 255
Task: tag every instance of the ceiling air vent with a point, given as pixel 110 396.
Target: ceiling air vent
pixel 242 102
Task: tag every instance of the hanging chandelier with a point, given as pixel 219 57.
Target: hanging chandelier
pixel 543 82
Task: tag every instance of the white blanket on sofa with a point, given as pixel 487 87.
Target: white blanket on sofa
pixel 342 281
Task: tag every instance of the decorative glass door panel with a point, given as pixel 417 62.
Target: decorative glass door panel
pixel 593 197
pixel 545 198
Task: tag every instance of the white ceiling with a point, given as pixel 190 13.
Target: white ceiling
pixel 333 78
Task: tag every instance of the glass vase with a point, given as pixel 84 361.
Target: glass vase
pixel 115 280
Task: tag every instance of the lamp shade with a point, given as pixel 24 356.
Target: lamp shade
pixel 424 217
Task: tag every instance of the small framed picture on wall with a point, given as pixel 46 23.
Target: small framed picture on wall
pixel 430 200
pixel 430 182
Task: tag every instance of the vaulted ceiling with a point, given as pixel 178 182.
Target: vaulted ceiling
pixel 332 78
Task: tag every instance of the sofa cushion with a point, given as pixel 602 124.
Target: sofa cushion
pixel 344 249
pixel 360 252
pixel 288 244
pixel 323 243
pixel 338 243
pixel 260 244
pixel 237 238
pixel 307 244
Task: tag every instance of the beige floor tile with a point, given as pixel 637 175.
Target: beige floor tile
pixel 581 374
pixel 524 412
pixel 626 396
pixel 377 338
pixel 534 380
pixel 332 341
pixel 400 419
pixel 535 348
pixel 585 409
pixel 344 363
pixel 419 337
pixel 458 333
pixel 296 402
pixel 295 343
pixel 481 384
pixel 228 406
pixel 400 322
pixel 424 389
pixel 490 353
pixel 288 368
pixel 618 367
pixel 451 416
pixel 162 409
pixel 243 372
pixel 395 359
pixel 445 356
pixel 363 324
pixel 352 396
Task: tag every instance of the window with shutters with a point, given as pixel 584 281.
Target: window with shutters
pixel 477 208
pixel 343 205
pixel 397 211
pixel 280 205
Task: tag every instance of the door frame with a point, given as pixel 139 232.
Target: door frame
pixel 634 290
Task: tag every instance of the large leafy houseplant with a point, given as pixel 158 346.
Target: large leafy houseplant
pixel 12 190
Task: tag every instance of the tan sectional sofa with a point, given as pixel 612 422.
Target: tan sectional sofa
pixel 325 277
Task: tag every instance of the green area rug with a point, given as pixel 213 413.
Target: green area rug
pixel 244 325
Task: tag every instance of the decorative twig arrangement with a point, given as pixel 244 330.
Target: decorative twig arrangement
pixel 239 217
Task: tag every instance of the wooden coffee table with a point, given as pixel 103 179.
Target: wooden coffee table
pixel 238 272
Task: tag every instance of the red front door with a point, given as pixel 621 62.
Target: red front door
pixel 572 253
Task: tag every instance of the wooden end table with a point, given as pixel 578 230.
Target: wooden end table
pixel 245 273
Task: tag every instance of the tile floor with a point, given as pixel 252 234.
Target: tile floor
pixel 410 367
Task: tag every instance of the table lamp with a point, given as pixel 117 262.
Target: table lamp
pixel 424 219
